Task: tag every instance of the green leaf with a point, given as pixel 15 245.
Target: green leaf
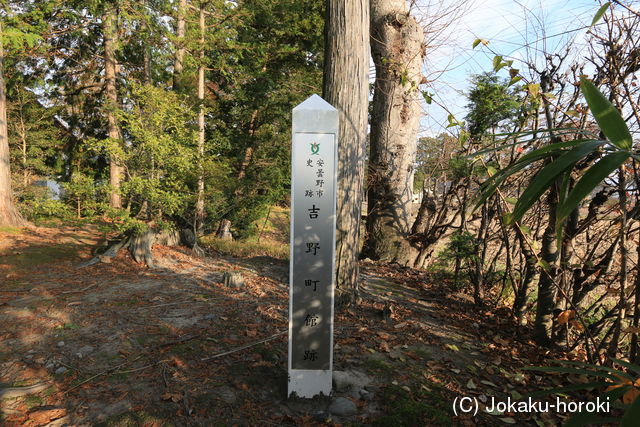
pixel 600 13
pixel 573 387
pixel 476 42
pixel 514 80
pixel 511 200
pixel 545 178
pixel 607 116
pixel 632 415
pixel 632 367
pixel 600 368
pixel 427 97
pixel 497 62
pixel 534 89
pixel 590 180
pixel 590 371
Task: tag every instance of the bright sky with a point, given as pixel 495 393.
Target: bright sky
pixel 508 25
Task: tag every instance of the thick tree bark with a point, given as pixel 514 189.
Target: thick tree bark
pixel 346 87
pixel 110 35
pixel 9 215
pixel 178 65
pixel 200 200
pixel 398 52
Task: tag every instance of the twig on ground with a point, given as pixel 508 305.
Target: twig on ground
pixel 113 368
pixel 235 350
pixel 79 290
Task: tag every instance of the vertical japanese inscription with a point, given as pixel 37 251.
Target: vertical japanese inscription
pixel 313 230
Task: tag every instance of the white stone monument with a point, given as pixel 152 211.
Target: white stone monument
pixel 313 224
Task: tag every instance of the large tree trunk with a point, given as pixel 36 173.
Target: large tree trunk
pixel 398 52
pixel 200 201
pixel 110 35
pixel 9 215
pixel 178 65
pixel 346 87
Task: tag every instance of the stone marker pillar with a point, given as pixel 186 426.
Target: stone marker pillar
pixel 313 224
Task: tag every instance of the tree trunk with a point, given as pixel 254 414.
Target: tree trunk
pixel 346 87
pixel 200 201
pixel 110 35
pixel 398 51
pixel 9 215
pixel 140 247
pixel 178 65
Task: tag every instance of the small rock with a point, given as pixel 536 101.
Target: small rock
pixel 350 380
pixel 208 317
pixel 87 349
pixel 60 344
pixel 104 259
pixel 321 417
pixel 366 395
pixel 226 394
pixel 61 370
pixel 343 407
pixel 29 356
pixel 232 279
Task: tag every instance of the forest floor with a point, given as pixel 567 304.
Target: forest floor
pixel 120 344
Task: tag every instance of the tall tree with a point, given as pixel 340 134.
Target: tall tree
pixel 9 215
pixel 199 216
pixel 397 46
pixel 178 65
pixel 110 40
pixel 346 87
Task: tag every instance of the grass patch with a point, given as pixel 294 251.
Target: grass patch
pixel 35 256
pixel 33 401
pixel 378 367
pixel 248 248
pixel 139 418
pixel 403 409
pixel 10 230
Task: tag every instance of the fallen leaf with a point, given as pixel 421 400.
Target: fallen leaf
pixel 174 397
pixel 565 316
pixel 630 396
pixel 471 385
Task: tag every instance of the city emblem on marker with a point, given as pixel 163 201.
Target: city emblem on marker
pixel 315 148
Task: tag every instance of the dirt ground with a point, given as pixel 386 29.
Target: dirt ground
pixel 119 344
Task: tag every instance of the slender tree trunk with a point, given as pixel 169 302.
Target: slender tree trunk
pixel 622 303
pixel 23 143
pixel 634 355
pixel 346 87
pixel 200 201
pixel 178 65
pixel 398 52
pixel 110 35
pixel 9 215
pixel 248 152
pixel 520 302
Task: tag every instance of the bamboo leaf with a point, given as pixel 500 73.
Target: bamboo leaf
pixel 548 174
pixel 590 180
pixel 630 366
pixel 600 13
pixel 574 387
pixel 607 116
